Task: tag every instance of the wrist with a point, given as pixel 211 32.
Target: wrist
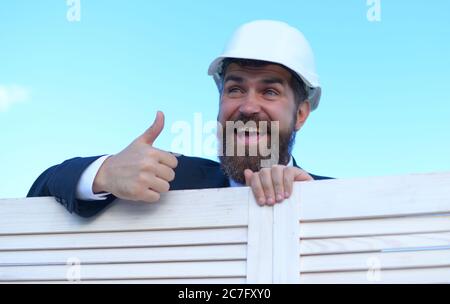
pixel 100 182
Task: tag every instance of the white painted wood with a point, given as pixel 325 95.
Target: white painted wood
pixel 260 244
pixel 329 231
pixel 375 227
pixel 285 241
pixel 404 276
pixel 126 255
pixel 176 270
pixel 375 197
pixel 374 244
pixel 383 260
pixel 176 210
pixel 125 239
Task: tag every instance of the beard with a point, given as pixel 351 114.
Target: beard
pixel 234 165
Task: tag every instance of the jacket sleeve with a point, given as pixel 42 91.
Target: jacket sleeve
pixel 61 182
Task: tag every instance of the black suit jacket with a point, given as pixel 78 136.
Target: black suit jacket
pixel 61 181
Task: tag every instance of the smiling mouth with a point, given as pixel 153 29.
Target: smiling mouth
pixel 250 136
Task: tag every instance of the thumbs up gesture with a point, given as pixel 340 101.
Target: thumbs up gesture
pixel 140 172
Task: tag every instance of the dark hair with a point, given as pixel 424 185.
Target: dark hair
pixel 296 83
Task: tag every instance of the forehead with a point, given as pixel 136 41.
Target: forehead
pixel 249 72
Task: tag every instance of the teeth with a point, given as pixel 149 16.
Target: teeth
pixel 247 129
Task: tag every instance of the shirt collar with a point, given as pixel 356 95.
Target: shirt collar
pixel 233 183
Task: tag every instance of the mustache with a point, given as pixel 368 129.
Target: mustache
pixel 253 119
pixel 248 118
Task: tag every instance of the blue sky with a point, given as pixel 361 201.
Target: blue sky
pixel 88 88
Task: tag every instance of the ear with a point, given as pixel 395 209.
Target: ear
pixel 302 114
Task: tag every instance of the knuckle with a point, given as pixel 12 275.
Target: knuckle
pixel 152 152
pixel 171 175
pixel 148 165
pixel 277 182
pixel 155 197
pixel 277 167
pixel 255 185
pixel 267 188
pixel 149 197
pixel 165 187
pixel 133 192
pixel 256 189
pixel 141 179
pixel 266 172
pixel 175 161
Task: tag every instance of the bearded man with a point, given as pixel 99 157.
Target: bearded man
pixel 268 86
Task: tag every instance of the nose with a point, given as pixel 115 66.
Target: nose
pixel 250 105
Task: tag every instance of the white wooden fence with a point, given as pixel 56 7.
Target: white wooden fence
pixel 375 230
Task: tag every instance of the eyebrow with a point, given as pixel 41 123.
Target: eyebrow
pixel 233 78
pixel 273 80
pixel 267 80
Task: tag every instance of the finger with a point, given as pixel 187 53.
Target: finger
pixel 301 176
pixel 164 172
pixel 158 185
pixel 150 135
pixel 266 181
pixel 165 158
pixel 288 181
pixel 291 175
pixel 149 196
pixel 248 176
pixel 257 189
pixel 278 182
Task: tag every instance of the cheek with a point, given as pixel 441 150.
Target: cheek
pixel 283 116
pixel 226 110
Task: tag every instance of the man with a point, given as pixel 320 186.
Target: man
pixel 266 75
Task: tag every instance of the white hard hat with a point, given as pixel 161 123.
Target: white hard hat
pixel 276 42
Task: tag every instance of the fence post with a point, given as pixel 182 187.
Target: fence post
pixel 286 240
pixel 273 242
pixel 260 242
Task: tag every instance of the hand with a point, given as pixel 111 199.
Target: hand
pixel 273 185
pixel 140 172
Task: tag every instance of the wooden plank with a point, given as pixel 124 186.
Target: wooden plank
pixel 175 270
pixel 285 241
pixel 374 244
pixel 176 210
pixel 402 276
pixel 126 255
pixel 366 261
pixel 260 243
pixel 375 197
pixel 237 280
pixel 375 227
pixel 124 239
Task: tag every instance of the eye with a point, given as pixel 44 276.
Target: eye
pixel 234 90
pixel 271 92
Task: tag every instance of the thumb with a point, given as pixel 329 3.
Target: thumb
pixel 248 176
pixel 150 135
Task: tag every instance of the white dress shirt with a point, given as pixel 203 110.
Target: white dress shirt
pixel 86 182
